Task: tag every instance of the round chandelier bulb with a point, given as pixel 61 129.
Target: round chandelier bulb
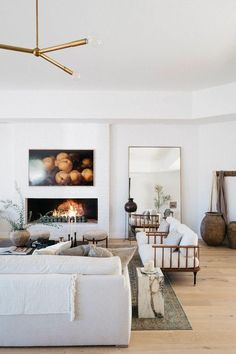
pixel 94 41
pixel 75 75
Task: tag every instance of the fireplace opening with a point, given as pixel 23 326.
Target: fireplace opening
pixel 62 210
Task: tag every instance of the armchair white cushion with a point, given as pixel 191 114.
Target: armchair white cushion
pixel 174 223
pixel 141 238
pixel 189 238
pixel 164 226
pixel 173 239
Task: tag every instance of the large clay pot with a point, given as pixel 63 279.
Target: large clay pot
pixel 19 237
pixel 213 228
pixel 231 234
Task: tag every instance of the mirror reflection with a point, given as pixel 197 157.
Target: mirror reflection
pixel 154 174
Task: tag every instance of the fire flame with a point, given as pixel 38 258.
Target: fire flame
pixel 69 208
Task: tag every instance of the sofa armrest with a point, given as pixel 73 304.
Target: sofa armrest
pixel 172 248
pixel 156 234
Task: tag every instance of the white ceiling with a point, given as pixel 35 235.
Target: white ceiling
pixel 147 44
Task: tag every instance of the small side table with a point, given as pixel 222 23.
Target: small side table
pixel 150 294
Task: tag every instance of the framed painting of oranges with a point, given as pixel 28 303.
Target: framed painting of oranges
pixel 61 167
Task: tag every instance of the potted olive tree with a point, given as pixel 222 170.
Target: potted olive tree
pixel 14 214
pixel 161 198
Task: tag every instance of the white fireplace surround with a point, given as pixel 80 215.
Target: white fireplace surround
pixel 60 229
pixel 19 138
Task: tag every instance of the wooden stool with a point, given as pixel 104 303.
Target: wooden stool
pixel 96 236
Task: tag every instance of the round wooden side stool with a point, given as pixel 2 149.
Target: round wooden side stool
pixel 96 236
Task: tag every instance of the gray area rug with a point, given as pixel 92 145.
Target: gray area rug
pixel 175 317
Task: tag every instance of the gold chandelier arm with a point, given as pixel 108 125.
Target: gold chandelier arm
pixel 56 63
pixel 16 49
pixel 37 24
pixel 64 46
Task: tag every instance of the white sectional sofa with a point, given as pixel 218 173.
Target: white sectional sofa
pixel 181 256
pixel 64 301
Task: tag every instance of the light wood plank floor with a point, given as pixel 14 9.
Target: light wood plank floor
pixel 210 307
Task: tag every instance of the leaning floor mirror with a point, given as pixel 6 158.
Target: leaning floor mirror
pixel 154 176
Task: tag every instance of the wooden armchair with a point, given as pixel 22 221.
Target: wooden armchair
pixel 147 223
pixel 170 259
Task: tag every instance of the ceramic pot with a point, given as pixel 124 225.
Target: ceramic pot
pixel 19 237
pixel 213 228
pixel 231 234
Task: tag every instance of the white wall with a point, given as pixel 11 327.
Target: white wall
pixel 94 104
pixel 204 148
pixel 212 102
pixel 7 168
pixel 19 138
pixel 217 151
pixel 125 135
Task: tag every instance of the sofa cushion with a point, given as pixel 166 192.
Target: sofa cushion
pixel 99 252
pixel 189 238
pixel 125 254
pixel 59 264
pixel 82 250
pixel 174 223
pixel 54 249
pixel 173 238
pixel 164 226
pixel 141 238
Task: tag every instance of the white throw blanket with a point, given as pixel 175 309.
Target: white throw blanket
pixel 38 294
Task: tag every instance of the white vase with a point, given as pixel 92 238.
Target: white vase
pixel 19 237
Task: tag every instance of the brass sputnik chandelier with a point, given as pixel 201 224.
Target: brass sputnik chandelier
pixel 41 52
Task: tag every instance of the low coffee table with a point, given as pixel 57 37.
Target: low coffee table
pixel 150 294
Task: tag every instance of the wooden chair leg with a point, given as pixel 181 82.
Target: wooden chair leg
pixel 194 278
pixel 107 242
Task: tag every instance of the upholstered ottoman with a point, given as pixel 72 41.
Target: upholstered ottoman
pixel 96 236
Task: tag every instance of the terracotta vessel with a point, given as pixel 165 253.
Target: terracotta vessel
pixel 213 228
pixel 231 234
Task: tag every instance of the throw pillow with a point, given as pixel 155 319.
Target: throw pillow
pixel 86 249
pixel 82 250
pixel 54 249
pixel 189 238
pixel 164 226
pixel 125 254
pixel 173 239
pixel 174 223
pixel 99 252
pixel 75 251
